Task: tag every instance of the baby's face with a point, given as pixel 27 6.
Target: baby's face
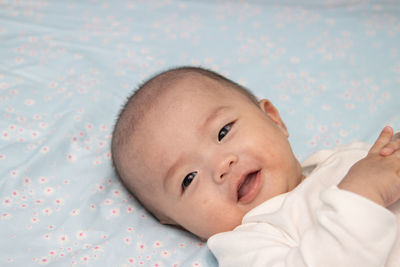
pixel 210 155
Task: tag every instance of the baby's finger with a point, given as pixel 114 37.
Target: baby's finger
pixel 383 139
pixel 391 147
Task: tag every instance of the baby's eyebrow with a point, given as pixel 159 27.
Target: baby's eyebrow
pixel 170 173
pixel 212 115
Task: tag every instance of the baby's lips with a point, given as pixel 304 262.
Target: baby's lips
pixel 245 186
pixel 250 187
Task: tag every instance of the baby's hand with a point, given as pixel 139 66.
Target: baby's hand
pixel 377 177
pixel 393 142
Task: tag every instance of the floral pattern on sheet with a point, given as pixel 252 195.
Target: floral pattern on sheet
pixel 331 67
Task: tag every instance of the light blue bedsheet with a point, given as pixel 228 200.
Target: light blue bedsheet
pixel 66 67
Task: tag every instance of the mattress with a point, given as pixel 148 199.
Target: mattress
pixel 332 68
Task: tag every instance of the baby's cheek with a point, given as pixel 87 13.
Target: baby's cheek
pixel 205 202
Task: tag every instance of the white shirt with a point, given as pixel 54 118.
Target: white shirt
pixel 316 224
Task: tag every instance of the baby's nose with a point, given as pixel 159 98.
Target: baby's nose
pixel 224 167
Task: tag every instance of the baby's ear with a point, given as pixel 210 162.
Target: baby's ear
pixel 273 114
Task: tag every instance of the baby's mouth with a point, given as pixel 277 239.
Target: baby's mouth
pixel 247 187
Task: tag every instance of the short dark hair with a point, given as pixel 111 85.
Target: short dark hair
pixel 141 100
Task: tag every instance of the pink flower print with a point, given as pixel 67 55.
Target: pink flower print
pixel 43 125
pixel 53 85
pixel 115 212
pixel 3 85
pixel 48 191
pixel 130 209
pixel 89 126
pixel 100 187
pixel 165 254
pixel 47 236
pixel 80 235
pixel 6 215
pixel 98 248
pixel 75 212
pixel 140 246
pixel 59 201
pixel 19 59
pixel 77 117
pixel 127 240
pixel 52 253
pixel 108 201
pixel 157 244
pixel 87 246
pixel 63 239
pixel 322 128
pixel 5 135
pixel 35 220
pixel 29 102
pixel 45 149
pixel 47 211
pixel 131 260
pixel 7 202
pixel 85 258
pixel 43 260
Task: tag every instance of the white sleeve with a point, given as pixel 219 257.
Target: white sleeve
pixel 349 231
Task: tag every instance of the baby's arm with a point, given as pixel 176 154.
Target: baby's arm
pixel 377 176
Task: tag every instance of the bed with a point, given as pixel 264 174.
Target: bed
pixel 331 67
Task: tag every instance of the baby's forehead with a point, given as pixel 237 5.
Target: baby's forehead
pixel 177 109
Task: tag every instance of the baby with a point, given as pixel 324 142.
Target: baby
pixel 201 152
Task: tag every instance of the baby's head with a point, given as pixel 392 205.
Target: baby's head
pixel 199 151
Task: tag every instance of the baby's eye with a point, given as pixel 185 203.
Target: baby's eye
pixel 188 179
pixel 224 131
